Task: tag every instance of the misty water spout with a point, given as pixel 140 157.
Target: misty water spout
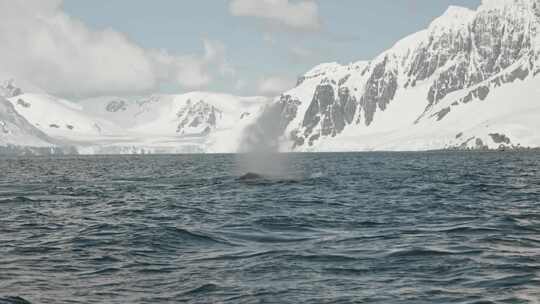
pixel 260 146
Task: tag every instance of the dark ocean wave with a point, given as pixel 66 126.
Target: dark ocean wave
pixel 346 228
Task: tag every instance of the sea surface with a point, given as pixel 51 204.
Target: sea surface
pixel 438 227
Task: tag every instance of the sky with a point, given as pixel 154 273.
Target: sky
pixel 81 48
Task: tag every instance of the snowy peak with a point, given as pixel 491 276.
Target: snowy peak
pixel 512 4
pixel 118 105
pixel 426 80
pixel 455 12
pixel 323 68
pixel 454 17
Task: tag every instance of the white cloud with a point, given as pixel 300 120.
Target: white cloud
pixel 275 85
pixel 45 46
pixel 192 71
pixel 299 15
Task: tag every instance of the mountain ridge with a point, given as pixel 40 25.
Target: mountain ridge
pixel 467 81
pixel 463 56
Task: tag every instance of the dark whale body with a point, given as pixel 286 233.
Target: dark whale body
pixel 13 300
pixel 259 179
pixel 250 176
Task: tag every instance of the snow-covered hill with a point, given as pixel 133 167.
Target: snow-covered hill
pixel 16 130
pixel 17 135
pixel 62 119
pixel 468 81
pixel 196 122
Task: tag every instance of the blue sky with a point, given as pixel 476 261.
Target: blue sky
pixel 257 48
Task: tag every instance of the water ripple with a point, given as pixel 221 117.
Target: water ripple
pixel 348 228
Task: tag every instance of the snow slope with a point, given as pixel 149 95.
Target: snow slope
pixel 17 135
pixel 197 122
pixel 62 119
pixel 16 130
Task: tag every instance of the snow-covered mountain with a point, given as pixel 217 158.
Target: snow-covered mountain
pixel 199 122
pixel 196 122
pixel 470 80
pixel 62 119
pixel 17 135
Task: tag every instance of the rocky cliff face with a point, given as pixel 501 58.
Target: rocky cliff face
pixel 462 58
pixel 199 117
pixel 9 90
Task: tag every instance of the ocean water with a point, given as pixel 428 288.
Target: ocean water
pixel 435 227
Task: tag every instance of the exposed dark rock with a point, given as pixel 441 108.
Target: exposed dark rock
pixel 348 104
pixel 451 80
pixel 319 109
pixel 327 114
pixel 23 103
pixel 500 138
pixel 206 131
pixel 330 113
pixel 244 115
pixel 286 110
pixel 436 53
pixel 116 106
pixel 194 115
pixel 481 93
pixel 468 98
pixel 479 145
pixel 465 144
pixel 195 122
pixel 381 88
pixel 313 138
pixel 442 113
pixel 344 79
pixel 296 139
pixel 519 73
pixel 9 90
